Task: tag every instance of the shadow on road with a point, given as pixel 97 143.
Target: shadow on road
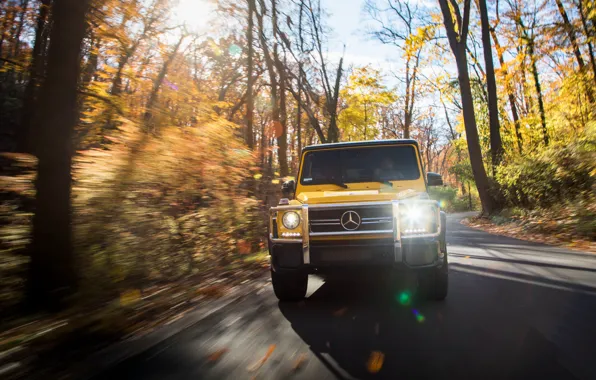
pixel 524 262
pixel 347 323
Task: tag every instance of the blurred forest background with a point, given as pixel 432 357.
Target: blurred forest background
pixel 140 150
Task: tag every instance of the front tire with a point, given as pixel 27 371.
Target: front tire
pixel 289 286
pixel 434 284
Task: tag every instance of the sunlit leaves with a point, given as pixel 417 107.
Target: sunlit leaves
pixel 362 100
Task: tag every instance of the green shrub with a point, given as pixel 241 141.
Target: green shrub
pixel 444 194
pixel 450 201
pixel 462 203
pixel 555 175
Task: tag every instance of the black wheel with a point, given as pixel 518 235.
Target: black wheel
pixel 289 287
pixel 434 284
pixel 442 281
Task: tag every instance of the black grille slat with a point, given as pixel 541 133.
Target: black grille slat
pixel 372 217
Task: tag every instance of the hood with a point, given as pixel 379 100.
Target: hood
pixel 357 195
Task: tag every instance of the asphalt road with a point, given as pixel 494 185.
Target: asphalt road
pixel 515 310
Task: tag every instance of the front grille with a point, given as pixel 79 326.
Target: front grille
pixel 372 218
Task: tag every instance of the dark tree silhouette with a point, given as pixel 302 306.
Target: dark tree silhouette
pixel 52 274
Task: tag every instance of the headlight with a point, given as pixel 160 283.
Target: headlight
pixel 417 219
pixel 291 220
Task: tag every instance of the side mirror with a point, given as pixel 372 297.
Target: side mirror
pixel 288 188
pixel 434 179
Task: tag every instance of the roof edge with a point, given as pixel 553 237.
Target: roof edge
pixel 352 144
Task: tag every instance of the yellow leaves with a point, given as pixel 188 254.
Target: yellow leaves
pixel 375 362
pixel 258 176
pixel 436 17
pixel 130 297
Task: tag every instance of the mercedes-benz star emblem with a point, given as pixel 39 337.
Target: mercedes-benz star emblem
pixel 350 220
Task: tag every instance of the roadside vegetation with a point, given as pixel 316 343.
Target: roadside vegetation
pixel 141 145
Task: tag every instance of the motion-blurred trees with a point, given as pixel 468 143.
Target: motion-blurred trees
pixel 180 137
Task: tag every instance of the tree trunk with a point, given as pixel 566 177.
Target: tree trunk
pixel 528 104
pixel 52 273
pixel 282 141
pixel 299 116
pixel 472 138
pixel 333 134
pixel 457 36
pixel 589 32
pixel 117 81
pixel 92 63
pixel 509 87
pixel 299 100
pixel 281 114
pixel 249 87
pixel 36 72
pixel 17 37
pixel 534 69
pixel 570 29
pixel 149 109
pixel 496 145
pixel 6 20
pixel 407 117
pixel 538 87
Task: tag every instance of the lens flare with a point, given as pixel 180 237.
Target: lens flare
pixel 419 317
pixel 404 298
pixel 235 50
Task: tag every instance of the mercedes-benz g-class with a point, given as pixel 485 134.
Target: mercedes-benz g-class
pixel 358 205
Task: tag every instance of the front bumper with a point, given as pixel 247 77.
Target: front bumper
pixel 356 248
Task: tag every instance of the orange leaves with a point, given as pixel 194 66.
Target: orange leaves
pixel 212 291
pixel 258 364
pixel 299 362
pixel 277 128
pixel 244 247
pixel 215 356
pixel 375 362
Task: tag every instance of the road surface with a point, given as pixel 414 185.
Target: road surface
pixel 515 310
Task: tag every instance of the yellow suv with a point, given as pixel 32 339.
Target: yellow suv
pixel 358 205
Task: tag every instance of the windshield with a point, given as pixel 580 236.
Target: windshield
pixel 366 164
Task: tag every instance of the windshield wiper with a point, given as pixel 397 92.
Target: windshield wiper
pixel 338 183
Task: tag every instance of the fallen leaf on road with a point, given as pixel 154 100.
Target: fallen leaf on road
pixel 299 362
pixel 262 361
pixel 130 297
pixel 214 291
pixel 217 355
pixel 467 257
pixel 340 312
pixel 375 362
